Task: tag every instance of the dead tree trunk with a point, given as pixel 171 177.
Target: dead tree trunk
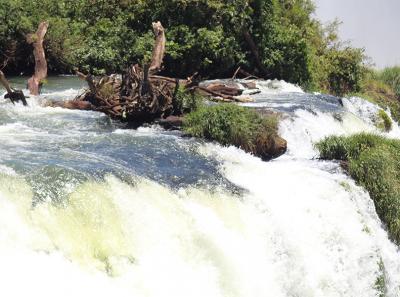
pixel 159 48
pixel 35 82
pixel 13 95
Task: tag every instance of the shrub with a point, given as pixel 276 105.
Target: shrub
pixel 374 162
pixel 185 101
pixel 344 70
pixel 230 124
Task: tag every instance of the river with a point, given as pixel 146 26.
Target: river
pixel 89 208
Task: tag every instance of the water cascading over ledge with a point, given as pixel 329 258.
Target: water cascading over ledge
pixel 133 213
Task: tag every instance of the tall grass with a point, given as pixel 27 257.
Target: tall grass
pixel 391 76
pixel 374 162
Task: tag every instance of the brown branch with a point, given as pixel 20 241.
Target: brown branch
pixel 5 82
pixel 36 40
pixel 13 95
pixel 236 72
pixel 89 79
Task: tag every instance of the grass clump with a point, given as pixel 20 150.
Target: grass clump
pixel 231 124
pixel 374 162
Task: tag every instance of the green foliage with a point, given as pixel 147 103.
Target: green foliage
pixel 374 162
pixel 186 102
pixel 202 36
pixel 230 124
pixel 345 70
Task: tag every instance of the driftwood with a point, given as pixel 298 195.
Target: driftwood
pixel 12 94
pixel 35 82
pixel 143 96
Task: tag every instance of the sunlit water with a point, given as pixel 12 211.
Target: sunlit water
pixel 88 208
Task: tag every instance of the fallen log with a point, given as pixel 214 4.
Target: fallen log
pixel 36 39
pixel 12 94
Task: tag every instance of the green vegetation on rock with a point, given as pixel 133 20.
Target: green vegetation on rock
pixel 374 162
pixel 230 124
pixel 384 122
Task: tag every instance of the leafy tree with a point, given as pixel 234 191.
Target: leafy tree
pixel 270 38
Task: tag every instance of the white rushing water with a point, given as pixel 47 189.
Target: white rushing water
pixel 298 226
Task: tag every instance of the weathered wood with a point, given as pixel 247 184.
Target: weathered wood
pixel 13 95
pixel 89 79
pixel 158 49
pixel 35 82
pixel 5 82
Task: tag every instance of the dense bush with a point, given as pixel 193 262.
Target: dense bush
pixel 208 36
pixel 230 124
pixel 374 162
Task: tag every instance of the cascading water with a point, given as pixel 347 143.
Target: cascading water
pixel 90 209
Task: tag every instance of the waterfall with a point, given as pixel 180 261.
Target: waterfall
pixel 88 208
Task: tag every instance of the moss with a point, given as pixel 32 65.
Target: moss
pixel 374 162
pixel 230 124
pixel 384 122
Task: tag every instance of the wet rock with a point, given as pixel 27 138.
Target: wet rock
pixel 171 123
pixel 272 148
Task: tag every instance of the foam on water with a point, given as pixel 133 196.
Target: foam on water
pixel 278 87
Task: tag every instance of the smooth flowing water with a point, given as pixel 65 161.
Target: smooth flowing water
pixel 88 208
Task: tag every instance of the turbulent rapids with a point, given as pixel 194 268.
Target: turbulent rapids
pixel 88 208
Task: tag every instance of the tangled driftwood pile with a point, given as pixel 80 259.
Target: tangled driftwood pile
pixel 141 95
